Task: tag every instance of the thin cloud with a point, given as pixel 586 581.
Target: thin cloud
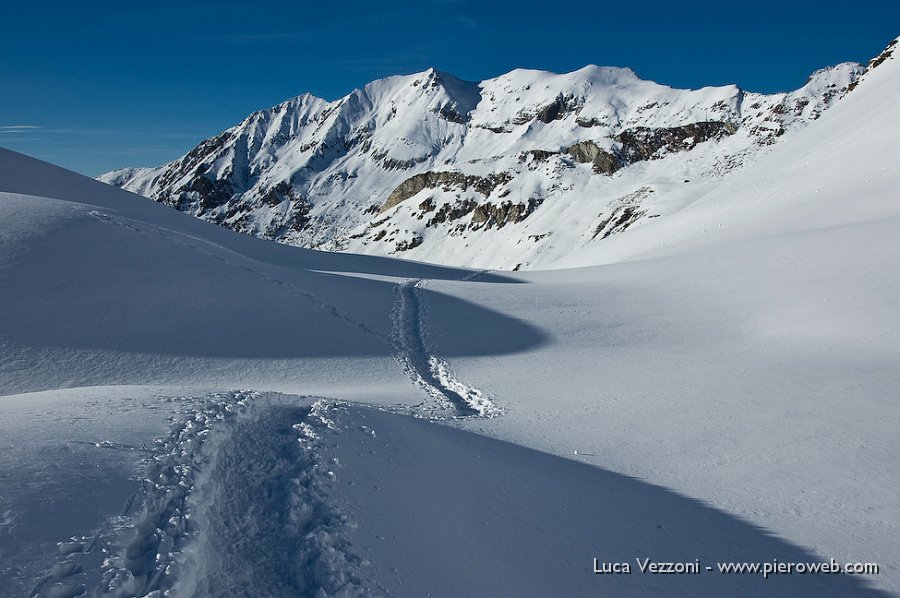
pixel 43 132
pixel 18 128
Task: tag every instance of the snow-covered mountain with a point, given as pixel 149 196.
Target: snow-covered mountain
pixel 511 172
pixel 720 389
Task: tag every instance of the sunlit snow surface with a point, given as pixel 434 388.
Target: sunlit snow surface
pixel 723 389
pixel 314 173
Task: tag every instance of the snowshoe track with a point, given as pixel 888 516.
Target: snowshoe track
pixel 234 502
pixel 425 369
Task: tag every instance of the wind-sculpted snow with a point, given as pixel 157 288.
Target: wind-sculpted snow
pixel 152 296
pixel 446 513
pixel 264 495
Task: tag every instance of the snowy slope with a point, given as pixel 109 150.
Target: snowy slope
pixel 745 352
pixel 724 391
pixel 838 173
pixel 153 296
pixel 510 172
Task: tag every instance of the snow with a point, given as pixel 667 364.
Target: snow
pixel 717 384
pixel 489 518
pixel 341 160
pixel 743 350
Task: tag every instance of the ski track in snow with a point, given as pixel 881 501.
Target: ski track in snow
pixel 426 370
pixel 236 488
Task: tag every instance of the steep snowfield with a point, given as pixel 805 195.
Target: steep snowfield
pixel 515 171
pixel 746 352
pixel 838 173
pixel 723 391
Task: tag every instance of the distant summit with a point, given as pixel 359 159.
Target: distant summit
pixel 510 172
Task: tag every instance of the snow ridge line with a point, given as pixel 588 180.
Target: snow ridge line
pixel 187 241
pixel 425 369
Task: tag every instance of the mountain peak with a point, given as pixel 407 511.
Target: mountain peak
pixel 606 74
pixel 442 168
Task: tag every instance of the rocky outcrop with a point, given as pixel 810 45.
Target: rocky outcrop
pixel 644 143
pixel 450 113
pixel 210 192
pixel 624 212
pixel 489 215
pixel 875 62
pixel 561 106
pixel 536 155
pixel 433 180
pixel 450 212
pixel 638 144
pixel 604 162
pixel 485 215
pixel 393 164
pixel 407 245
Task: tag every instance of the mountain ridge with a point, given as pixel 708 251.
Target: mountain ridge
pixel 510 172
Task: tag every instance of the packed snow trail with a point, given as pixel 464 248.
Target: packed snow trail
pixel 426 370
pixel 233 503
pixel 267 495
pixel 267 526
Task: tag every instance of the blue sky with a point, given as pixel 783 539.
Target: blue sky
pixel 97 85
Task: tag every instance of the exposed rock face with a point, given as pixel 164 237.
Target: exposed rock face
pixel 604 162
pixel 450 212
pixel 539 155
pixel 644 143
pixel 557 109
pixel 886 54
pixel 607 163
pixel 561 106
pixel 490 215
pixel 624 212
pixel 407 245
pixel 212 193
pixel 641 143
pixel 432 180
pixel 470 162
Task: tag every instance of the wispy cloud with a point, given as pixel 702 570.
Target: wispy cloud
pixel 35 131
pixel 18 128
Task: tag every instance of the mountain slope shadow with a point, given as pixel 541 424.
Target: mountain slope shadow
pixel 444 512
pixel 22 174
pixel 99 281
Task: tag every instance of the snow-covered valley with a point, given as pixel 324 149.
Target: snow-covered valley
pixel 189 411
